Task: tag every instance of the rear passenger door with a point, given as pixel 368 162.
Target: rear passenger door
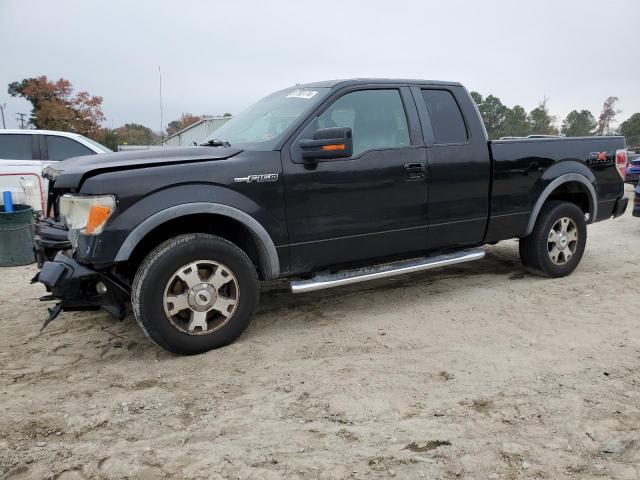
pixel 58 148
pixel 458 169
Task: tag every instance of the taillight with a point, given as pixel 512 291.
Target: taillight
pixel 621 162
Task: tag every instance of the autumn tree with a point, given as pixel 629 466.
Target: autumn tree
pixel 607 116
pixel 57 107
pixel 135 134
pixel 541 121
pixel 579 124
pixel 108 138
pixel 181 123
pixel 630 128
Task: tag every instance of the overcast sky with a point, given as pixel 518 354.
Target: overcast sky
pixel 220 56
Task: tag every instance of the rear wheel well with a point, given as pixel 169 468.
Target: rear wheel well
pixel 573 192
pixel 219 225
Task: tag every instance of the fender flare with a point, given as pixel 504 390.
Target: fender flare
pixel 269 263
pixel 567 177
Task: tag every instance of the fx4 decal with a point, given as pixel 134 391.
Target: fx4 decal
pixel 601 159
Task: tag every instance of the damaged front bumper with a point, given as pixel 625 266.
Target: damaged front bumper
pixel 50 238
pixel 78 287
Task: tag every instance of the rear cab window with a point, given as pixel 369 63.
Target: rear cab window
pixel 446 118
pixel 60 148
pixel 16 146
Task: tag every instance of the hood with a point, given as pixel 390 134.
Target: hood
pixel 71 172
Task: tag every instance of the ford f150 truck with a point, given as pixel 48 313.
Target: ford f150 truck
pixel 324 184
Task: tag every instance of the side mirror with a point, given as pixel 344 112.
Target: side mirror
pixel 328 144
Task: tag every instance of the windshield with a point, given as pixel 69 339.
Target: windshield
pixel 266 120
pixel 99 146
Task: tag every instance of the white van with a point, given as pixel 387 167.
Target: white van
pixel 25 153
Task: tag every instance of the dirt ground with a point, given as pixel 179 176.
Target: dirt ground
pixel 480 371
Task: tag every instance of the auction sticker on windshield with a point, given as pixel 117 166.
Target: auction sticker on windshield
pixel 306 94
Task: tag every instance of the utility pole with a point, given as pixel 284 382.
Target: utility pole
pixel 21 115
pixel 2 107
pixel 161 129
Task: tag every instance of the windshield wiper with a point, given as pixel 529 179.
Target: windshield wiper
pixel 216 143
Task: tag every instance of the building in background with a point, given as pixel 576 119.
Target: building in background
pixel 196 132
pixel 126 148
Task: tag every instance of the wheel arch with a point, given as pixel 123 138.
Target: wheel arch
pixel 559 188
pixel 265 250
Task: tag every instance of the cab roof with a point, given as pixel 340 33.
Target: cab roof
pixel 29 131
pixel 376 81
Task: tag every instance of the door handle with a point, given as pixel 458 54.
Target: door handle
pixel 415 171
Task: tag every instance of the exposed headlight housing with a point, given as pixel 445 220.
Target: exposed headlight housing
pixel 86 214
pixel 50 173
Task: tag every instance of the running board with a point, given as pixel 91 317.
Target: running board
pixel 347 277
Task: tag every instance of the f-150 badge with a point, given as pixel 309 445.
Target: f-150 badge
pixel 265 177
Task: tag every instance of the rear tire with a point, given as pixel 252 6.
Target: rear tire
pixel 194 293
pixel 556 245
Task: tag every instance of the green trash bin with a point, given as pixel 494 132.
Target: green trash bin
pixel 16 236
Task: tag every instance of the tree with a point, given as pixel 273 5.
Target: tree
pixel 135 134
pixel 183 122
pixel 630 128
pixel 109 139
pixel 541 121
pixel 607 116
pixel 493 114
pixel 476 97
pixel 516 122
pixel 227 115
pixel 57 107
pixel 579 124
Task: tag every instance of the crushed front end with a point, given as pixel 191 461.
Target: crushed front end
pixel 78 287
pixel 74 285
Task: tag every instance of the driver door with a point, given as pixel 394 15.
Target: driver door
pixel 370 205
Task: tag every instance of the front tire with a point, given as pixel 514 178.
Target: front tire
pixel 556 245
pixel 194 293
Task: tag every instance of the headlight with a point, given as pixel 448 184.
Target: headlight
pixel 86 214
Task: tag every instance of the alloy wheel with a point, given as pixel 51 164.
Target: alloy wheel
pixel 562 241
pixel 201 297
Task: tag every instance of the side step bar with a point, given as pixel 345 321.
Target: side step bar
pixel 330 280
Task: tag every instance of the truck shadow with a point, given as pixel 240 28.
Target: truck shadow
pixel 500 261
pixel 279 308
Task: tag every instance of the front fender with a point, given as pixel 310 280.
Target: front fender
pixel 137 214
pixel 267 250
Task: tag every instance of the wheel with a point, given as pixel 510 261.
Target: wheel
pixel 194 293
pixel 558 240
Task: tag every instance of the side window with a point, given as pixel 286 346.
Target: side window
pixel 376 118
pixel 446 119
pixel 60 148
pixel 15 147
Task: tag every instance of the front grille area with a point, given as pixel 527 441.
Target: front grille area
pixel 73 238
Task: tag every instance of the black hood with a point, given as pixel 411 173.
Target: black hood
pixel 71 172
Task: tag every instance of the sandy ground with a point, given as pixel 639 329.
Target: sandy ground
pixel 479 371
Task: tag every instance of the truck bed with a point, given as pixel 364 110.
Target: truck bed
pixel 523 168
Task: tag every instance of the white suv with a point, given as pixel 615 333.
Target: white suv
pixel 25 153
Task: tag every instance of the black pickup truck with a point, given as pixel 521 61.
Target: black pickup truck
pixel 325 184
